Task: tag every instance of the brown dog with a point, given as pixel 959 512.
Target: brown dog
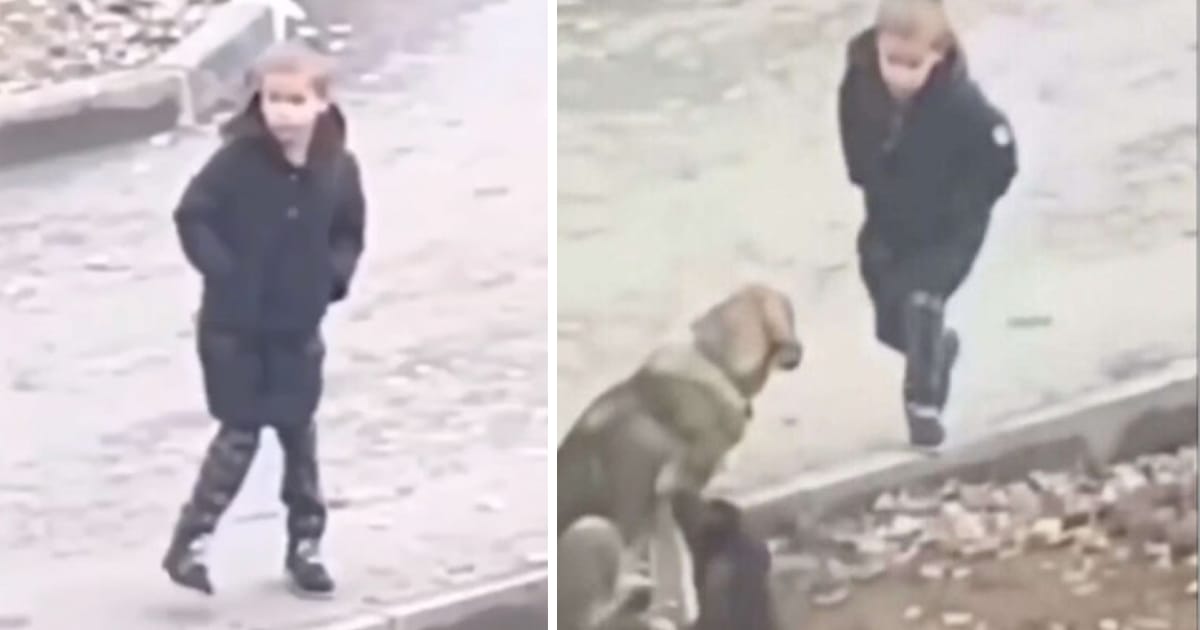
pixel 666 429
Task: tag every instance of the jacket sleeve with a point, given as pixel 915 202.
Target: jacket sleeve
pixel 203 200
pixel 853 152
pixel 347 233
pixel 987 166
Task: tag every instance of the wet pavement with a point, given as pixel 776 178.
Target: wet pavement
pixel 698 149
pixel 433 431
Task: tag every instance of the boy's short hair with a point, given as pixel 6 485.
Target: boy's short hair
pixel 917 19
pixel 295 57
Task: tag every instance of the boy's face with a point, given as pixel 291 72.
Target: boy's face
pixel 291 106
pixel 905 61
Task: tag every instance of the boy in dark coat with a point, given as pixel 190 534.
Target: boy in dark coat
pixel 274 224
pixel 931 156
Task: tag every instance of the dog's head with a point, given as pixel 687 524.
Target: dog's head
pixel 748 334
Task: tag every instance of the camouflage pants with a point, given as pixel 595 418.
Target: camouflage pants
pixel 224 469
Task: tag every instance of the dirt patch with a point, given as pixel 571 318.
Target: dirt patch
pixel 1039 591
pixel 1113 549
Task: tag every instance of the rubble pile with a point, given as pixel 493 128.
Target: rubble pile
pixel 1143 510
pixel 47 41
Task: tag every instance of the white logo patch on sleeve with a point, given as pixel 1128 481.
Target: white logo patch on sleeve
pixel 1001 135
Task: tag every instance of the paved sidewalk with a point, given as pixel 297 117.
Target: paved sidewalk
pixel 434 431
pixel 698 150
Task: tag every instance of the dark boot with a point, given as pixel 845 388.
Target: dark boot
pixel 306 569
pixel 306 508
pixel 221 474
pixel 924 388
pixel 184 561
pixel 947 356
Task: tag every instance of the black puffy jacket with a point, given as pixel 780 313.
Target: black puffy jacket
pixel 275 243
pixel 930 172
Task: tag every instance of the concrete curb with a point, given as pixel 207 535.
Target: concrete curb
pixel 185 82
pixel 513 603
pixel 1139 416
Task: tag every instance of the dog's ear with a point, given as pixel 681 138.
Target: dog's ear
pixel 779 322
pixel 732 334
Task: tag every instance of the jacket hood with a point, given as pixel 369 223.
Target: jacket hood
pixel 329 136
pixel 864 53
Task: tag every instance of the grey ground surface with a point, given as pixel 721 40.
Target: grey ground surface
pixel 434 427
pixel 698 149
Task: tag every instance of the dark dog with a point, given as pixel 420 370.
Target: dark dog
pixel 732 568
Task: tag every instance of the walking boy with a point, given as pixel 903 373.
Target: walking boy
pixel 274 224
pixel 931 156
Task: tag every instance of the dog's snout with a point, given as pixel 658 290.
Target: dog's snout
pixel 788 355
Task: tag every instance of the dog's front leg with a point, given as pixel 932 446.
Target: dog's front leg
pixel 670 559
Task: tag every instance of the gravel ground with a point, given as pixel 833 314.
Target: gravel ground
pixel 434 426
pixel 47 41
pixel 1115 550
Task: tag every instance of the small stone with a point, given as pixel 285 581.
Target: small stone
pixel 905 556
pixel 1026 504
pixel 932 571
pixel 957 619
pixel 885 502
pixel 868 545
pixel 918 505
pixel 902 527
pixel 829 597
pixel 459 569
pixel 1048 531
pixel 913 613
pixel 961 573
pixel 1191 588
pixel 1091 540
pixel 337 46
pixel 490 504
pixel 866 570
pixel 19 289
pixel 1109 624
pixel 161 140
pixel 976 497
pixel 341 29
pixel 1128 478
pixel 307 31
pixel 1008 553
pixel 101 262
